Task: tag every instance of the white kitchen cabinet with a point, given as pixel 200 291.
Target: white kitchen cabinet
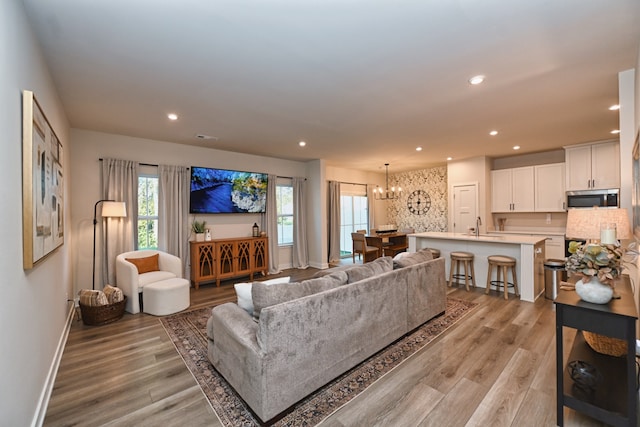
pixel 512 190
pixel 554 247
pixel 593 166
pixel 549 189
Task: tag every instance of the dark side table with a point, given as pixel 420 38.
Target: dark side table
pixel 614 401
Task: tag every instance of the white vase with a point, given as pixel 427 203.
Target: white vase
pixel 594 291
pixel 199 237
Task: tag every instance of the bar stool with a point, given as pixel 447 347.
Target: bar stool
pixel 502 263
pixel 466 259
pixel 435 253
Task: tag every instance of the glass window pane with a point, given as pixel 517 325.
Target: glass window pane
pixel 147 221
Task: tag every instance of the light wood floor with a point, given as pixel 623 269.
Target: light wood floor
pixel 496 367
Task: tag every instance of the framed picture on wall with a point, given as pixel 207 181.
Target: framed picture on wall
pixel 635 197
pixel 42 184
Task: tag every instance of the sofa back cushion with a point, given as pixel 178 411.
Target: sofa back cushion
pixel 369 269
pixel 243 292
pixel 267 295
pixel 405 259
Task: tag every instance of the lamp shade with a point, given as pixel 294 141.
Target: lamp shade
pixel 114 209
pixel 585 223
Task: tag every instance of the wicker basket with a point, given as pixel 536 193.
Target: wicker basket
pixel 102 314
pixel 605 345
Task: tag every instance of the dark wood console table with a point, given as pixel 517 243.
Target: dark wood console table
pixel 614 400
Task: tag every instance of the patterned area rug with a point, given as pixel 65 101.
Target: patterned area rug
pixel 188 333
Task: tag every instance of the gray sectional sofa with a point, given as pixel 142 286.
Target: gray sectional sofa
pixel 303 335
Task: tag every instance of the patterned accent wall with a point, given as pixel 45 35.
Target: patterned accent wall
pixel 433 181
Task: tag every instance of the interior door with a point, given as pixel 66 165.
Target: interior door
pixel 465 200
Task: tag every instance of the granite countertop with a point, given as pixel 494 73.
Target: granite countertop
pixel 487 238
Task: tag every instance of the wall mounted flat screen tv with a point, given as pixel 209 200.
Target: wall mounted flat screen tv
pixel 227 191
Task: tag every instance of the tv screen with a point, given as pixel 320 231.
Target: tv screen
pixel 227 191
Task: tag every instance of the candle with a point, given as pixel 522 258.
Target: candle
pixel 608 234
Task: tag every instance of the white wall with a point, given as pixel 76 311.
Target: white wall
pixel 89 146
pixel 33 307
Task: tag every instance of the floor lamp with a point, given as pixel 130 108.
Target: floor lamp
pixel 110 209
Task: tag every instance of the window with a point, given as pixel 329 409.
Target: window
pixel 147 212
pixel 284 198
pixel 354 214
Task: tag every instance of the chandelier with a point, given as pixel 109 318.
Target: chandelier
pixel 386 194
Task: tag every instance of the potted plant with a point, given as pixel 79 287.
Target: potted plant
pixel 598 266
pixel 198 228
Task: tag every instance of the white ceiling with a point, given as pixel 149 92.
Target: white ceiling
pixel 362 82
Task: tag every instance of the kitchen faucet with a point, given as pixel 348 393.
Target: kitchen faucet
pixel 478 224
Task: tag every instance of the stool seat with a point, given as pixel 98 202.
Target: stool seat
pixel 466 259
pixel 501 259
pixel 461 255
pixel 435 253
pixel 502 264
pixel 166 297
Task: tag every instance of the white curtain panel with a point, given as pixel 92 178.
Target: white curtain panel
pixel 119 183
pixel 270 224
pixel 334 221
pixel 300 244
pixel 173 212
pixel 370 207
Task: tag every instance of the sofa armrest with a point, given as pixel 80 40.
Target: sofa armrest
pixel 172 263
pixel 231 322
pixel 127 280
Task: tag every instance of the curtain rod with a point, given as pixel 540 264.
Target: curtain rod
pixel 351 183
pixel 286 177
pixel 141 164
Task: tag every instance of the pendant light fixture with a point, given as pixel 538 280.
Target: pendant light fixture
pixel 387 193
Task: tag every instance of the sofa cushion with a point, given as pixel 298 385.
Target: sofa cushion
pixel 369 269
pixel 332 270
pixel 267 295
pixel 146 264
pixel 243 291
pixel 405 259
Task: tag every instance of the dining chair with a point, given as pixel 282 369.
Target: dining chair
pixel 361 247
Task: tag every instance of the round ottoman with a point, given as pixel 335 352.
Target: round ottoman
pixel 165 297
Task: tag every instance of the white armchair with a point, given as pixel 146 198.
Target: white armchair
pixel 132 283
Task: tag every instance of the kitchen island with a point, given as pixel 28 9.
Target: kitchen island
pixel 527 250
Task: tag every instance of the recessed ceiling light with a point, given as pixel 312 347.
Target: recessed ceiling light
pixel 302 143
pixel 476 80
pixel 172 116
pixel 516 147
pixel 614 107
pixel 493 133
pixel 615 131
pixel 418 148
pixel 449 158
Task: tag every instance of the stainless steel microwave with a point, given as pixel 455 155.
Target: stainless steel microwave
pixel 590 198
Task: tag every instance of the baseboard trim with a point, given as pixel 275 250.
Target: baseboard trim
pixel 43 402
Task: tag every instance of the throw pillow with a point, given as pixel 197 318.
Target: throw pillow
pixel 266 296
pixel 92 298
pixel 405 259
pixel 243 291
pixel 370 269
pixel 113 294
pixel 146 264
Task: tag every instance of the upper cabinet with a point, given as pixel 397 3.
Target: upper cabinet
pixel 593 167
pixel 537 188
pixel 512 190
pixel 549 188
